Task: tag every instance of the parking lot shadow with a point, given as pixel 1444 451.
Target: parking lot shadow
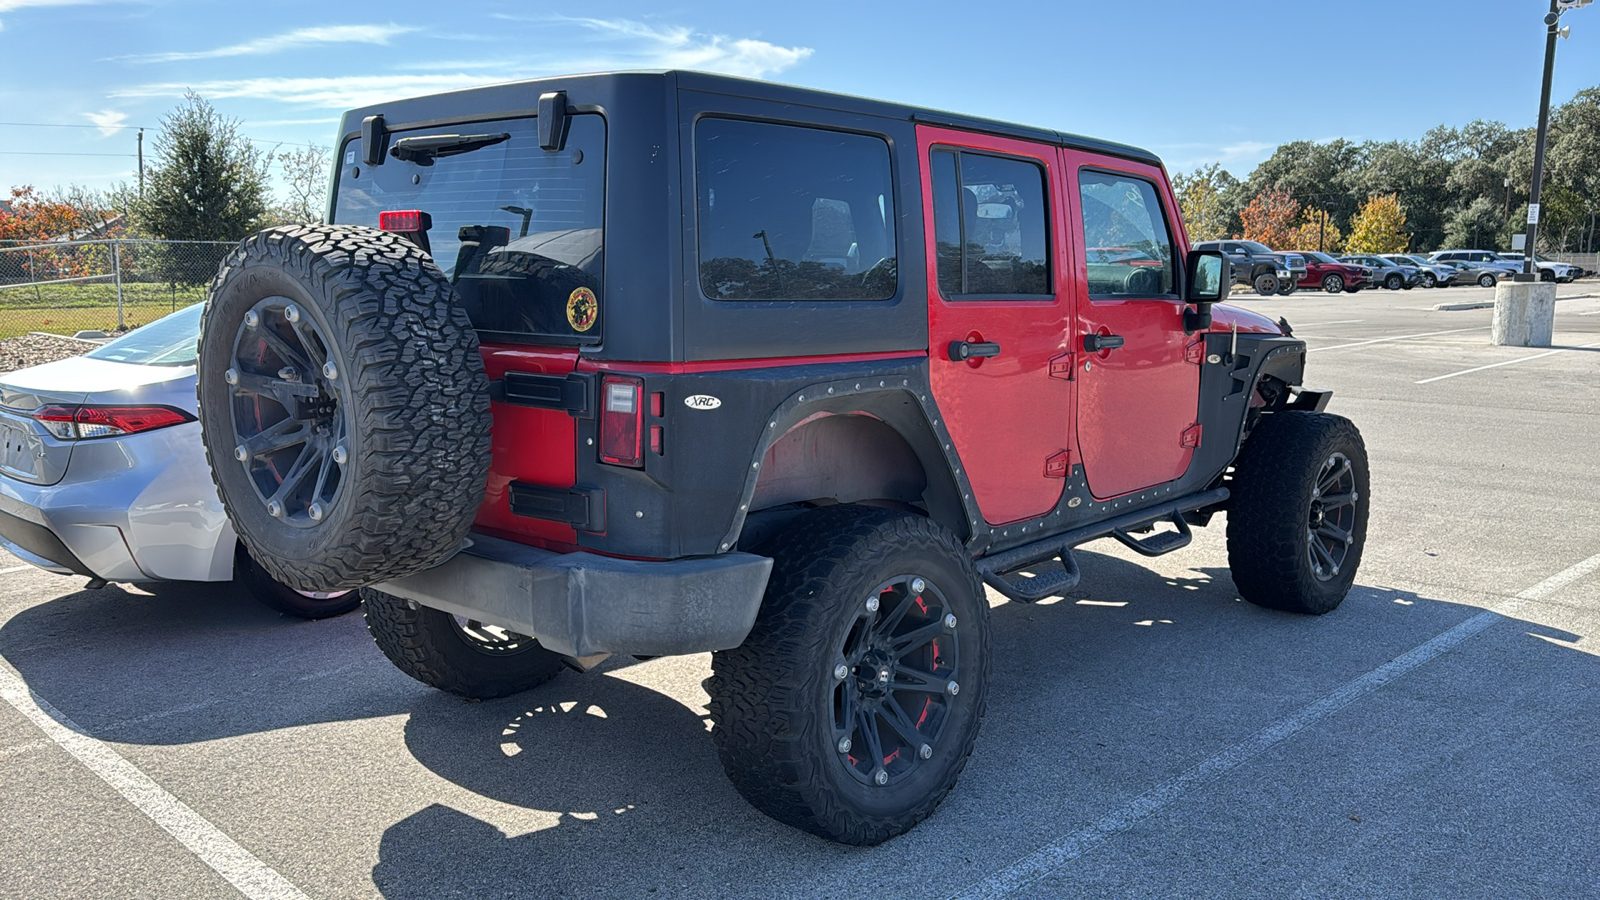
pixel 1095 698
pixel 194 662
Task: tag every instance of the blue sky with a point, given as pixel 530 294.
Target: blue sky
pixel 1194 81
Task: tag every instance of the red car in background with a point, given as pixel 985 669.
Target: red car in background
pixel 1325 272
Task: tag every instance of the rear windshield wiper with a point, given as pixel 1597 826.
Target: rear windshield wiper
pixel 424 150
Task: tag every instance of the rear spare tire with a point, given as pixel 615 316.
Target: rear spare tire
pixel 344 406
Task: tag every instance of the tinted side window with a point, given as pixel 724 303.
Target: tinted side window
pixel 1125 236
pixel 990 225
pixel 793 213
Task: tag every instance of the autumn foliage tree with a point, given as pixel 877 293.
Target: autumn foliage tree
pixel 37 217
pixel 1317 231
pixel 1270 218
pixel 1379 227
pixel 1200 196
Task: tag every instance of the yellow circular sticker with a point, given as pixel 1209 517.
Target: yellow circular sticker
pixel 582 309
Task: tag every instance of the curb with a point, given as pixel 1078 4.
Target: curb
pixel 1489 304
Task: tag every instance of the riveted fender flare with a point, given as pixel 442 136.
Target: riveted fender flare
pixel 905 405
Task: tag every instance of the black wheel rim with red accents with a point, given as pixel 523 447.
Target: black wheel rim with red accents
pixel 290 412
pixel 897 675
pixel 1331 523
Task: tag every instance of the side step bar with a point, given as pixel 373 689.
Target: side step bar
pixel 997 569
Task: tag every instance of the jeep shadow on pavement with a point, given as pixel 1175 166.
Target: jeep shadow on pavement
pixel 665 363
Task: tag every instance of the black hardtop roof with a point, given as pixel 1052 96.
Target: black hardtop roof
pixel 520 95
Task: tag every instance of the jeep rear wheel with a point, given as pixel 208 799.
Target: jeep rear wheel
pixel 453 653
pixel 1297 518
pixel 1266 284
pixel 343 404
pixel 852 707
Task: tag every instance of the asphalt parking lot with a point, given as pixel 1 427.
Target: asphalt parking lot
pixel 1152 735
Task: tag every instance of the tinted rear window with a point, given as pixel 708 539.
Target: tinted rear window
pixel 793 213
pixel 168 341
pixel 517 229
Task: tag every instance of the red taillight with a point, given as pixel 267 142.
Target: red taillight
pixel 621 421
pixel 74 423
pixel 404 221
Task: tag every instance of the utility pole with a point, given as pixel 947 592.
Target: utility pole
pixel 1529 268
pixel 141 163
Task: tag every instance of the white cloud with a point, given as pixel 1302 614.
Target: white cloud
pixel 300 37
pixel 12 5
pixel 109 120
pixel 601 45
pixel 324 93
pixel 677 47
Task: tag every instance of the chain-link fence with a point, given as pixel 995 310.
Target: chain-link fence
pixel 109 285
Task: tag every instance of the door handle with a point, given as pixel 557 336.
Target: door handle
pixel 1094 343
pixel 960 351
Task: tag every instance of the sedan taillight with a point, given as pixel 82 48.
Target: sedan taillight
pixel 76 423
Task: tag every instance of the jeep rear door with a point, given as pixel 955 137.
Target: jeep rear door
pixel 996 294
pixel 1139 391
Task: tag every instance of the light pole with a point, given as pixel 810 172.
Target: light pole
pixel 1552 20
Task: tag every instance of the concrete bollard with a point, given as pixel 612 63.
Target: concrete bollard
pixel 1524 313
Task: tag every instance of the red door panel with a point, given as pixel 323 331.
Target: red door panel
pixel 1006 414
pixel 1137 404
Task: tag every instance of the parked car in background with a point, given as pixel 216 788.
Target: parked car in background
pixel 1485 258
pixel 1259 266
pixel 1433 274
pixel 1549 269
pixel 102 472
pixel 1325 271
pixel 1387 273
pixel 1473 273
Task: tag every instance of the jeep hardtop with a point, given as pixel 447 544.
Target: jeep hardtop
pixel 664 363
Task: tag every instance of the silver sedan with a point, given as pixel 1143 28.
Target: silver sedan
pixel 102 472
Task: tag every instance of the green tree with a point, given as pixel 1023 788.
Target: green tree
pixel 1206 214
pixel 207 182
pixel 1379 227
pixel 1479 225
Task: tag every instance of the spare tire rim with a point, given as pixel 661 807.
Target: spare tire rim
pixel 897 679
pixel 290 412
pixel 490 639
pixel 1331 522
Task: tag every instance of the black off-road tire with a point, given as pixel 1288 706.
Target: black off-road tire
pixel 465 659
pixel 284 599
pixel 409 401
pixel 773 698
pixel 1266 284
pixel 1274 508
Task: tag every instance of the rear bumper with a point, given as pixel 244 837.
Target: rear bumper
pixel 37 545
pixel 581 604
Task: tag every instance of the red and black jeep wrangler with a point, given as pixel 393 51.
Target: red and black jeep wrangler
pixel 664 363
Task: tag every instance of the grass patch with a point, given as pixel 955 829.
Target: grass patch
pixel 66 308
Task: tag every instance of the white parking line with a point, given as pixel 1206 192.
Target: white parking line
pixel 1508 362
pixel 14 569
pixel 252 877
pixel 1052 856
pixel 1398 337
